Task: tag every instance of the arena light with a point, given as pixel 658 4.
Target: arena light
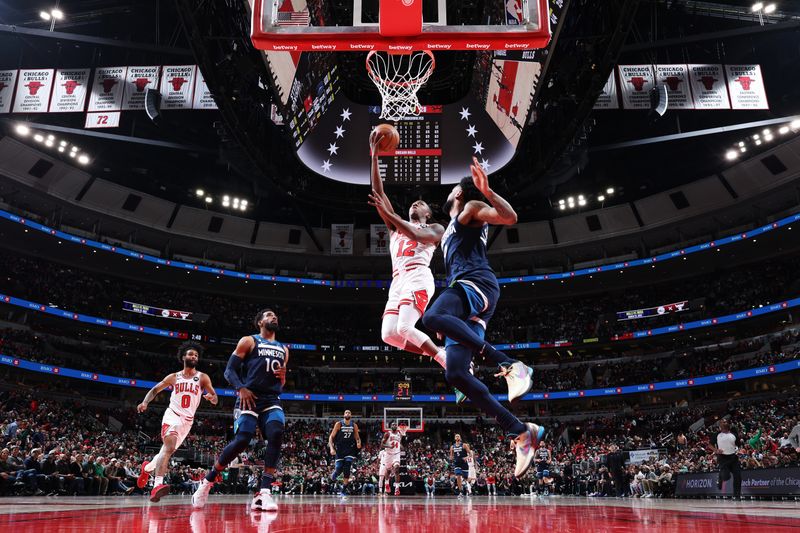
pixel 562 202
pixel 571 200
pixel 209 199
pixel 767 132
pixel 63 143
pixel 783 130
pixel 610 190
pixel 199 192
pixel 38 138
pixel 756 136
pixel 23 130
pixel 57 14
pixel 758 142
pixel 758 6
pixel 51 137
pixel 743 149
pixel 601 198
pixel 45 15
pixel 768 137
pixel 61 149
pixel 83 159
pixel 731 155
pixel 48 143
pixel 225 203
pixel 74 148
pixel 795 125
pixel 741 143
pixel 243 204
pixel 770 9
pixel 73 154
pixel 562 207
pixel 581 202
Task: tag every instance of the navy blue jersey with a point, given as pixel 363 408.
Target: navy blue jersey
pixel 346 438
pixel 459 454
pixel 464 250
pixel 258 368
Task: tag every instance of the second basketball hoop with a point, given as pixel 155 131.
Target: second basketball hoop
pixel 398 78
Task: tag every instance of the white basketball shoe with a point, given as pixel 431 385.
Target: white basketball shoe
pixel 262 501
pixel 526 445
pixel 200 496
pixel 519 378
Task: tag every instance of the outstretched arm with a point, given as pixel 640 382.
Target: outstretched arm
pixel 376 181
pixel 211 394
pixel 152 393
pixel 499 212
pixel 429 235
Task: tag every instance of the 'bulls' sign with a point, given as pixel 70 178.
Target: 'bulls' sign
pixel 676 80
pixel 177 86
pixel 746 87
pixel 139 79
pixel 708 87
pixel 33 91
pixel 635 84
pixel 69 90
pixel 107 89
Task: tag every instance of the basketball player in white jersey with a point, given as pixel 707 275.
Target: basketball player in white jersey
pixel 187 390
pixel 411 246
pixel 390 463
pixel 472 474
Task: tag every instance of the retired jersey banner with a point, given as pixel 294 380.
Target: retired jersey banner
pixel 33 91
pixel 708 87
pixel 8 79
pixel 202 95
pixel 635 84
pixel 746 87
pixel 69 90
pixel 177 86
pixel 107 89
pixel 341 239
pixel 676 79
pixel 378 239
pixel 138 80
pixel 608 99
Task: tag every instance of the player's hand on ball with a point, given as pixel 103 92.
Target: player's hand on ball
pixel 247 399
pixel 374 140
pixel 479 177
pixel 142 407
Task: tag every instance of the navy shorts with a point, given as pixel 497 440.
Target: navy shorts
pixel 460 469
pixel 482 292
pixel 268 409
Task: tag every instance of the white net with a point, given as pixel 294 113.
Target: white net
pixel 398 77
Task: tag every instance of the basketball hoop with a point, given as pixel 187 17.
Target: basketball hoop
pixel 398 77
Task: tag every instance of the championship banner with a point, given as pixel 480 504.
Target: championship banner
pixel 177 85
pixel 708 87
pixel 33 91
pixel 341 239
pixel 378 239
pixel 8 79
pixel 608 99
pixel 202 95
pixel 650 312
pixel 144 309
pixel 746 87
pixel 137 81
pixel 69 90
pixel 635 84
pixel 761 482
pixel 107 89
pixel 676 79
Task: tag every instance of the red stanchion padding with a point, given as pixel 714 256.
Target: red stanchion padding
pixel 400 18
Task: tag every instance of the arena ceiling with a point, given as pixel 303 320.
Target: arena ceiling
pixel 569 150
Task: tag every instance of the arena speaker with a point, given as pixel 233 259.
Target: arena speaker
pixel 152 104
pixel 659 99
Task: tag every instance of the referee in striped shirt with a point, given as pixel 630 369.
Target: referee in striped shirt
pixel 727 459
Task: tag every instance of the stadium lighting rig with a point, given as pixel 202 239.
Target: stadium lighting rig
pixel 228 201
pixel 757 139
pixel 50 141
pixel 571 202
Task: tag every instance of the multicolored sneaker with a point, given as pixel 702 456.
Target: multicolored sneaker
pixel 526 445
pixel 519 378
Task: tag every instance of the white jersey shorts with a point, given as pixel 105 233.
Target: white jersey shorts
pixel 174 424
pixel 414 287
pixel 389 461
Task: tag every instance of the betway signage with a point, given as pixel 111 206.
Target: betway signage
pixel 361 44
pixel 763 482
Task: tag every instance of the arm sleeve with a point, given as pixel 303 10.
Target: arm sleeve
pixel 232 372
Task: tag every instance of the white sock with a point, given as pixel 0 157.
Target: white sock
pixel 151 466
pixel 441 358
pixel 159 481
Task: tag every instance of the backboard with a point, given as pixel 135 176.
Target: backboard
pixel 403 26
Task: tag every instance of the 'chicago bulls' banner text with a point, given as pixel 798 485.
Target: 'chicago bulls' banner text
pixel 107 89
pixel 202 95
pixel 676 79
pixel 177 86
pixel 138 80
pixel 69 91
pixel 746 87
pixel 708 87
pixel 635 84
pixel 8 79
pixel 33 91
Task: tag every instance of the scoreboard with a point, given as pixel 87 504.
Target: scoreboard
pixel 417 159
pixel 402 391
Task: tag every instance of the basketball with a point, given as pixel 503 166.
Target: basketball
pixel 391 138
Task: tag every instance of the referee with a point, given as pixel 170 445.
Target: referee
pixel 727 458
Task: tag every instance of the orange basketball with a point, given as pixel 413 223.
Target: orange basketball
pixel 391 138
